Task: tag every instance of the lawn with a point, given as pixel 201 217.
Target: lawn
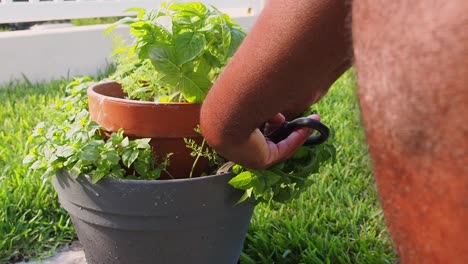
pixel 337 221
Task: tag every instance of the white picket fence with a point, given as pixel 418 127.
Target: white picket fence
pixel 36 10
pixel 52 53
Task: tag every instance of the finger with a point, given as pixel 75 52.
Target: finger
pixel 286 148
pixel 277 119
pixel 273 123
pixel 293 142
pixel 315 116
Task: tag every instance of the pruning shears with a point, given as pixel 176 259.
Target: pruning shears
pixel 287 128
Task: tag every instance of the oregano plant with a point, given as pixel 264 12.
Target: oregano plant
pixel 75 143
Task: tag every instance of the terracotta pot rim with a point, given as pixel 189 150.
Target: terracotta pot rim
pixel 92 92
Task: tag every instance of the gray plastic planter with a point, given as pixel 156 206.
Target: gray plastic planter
pixel 171 221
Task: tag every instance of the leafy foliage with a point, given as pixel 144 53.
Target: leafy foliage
pixel 202 150
pixel 286 180
pixel 187 44
pixel 76 143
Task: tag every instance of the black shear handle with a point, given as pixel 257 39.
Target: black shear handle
pixel 288 127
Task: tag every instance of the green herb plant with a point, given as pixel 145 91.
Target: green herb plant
pixel 286 180
pixel 282 182
pixel 202 150
pixel 75 143
pixel 178 52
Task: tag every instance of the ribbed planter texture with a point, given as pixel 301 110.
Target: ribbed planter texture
pixel 167 124
pixel 164 221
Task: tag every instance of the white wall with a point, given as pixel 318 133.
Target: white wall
pixel 54 53
pixel 43 55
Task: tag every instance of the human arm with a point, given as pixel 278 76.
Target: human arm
pixel 295 51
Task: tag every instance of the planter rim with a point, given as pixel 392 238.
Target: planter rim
pixel 92 91
pixel 158 181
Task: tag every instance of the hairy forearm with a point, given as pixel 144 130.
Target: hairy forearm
pixel 295 51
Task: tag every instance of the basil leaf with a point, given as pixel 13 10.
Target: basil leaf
pixel 194 87
pixel 237 36
pixel 195 8
pixel 188 46
pixel 163 59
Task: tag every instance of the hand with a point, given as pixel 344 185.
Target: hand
pixel 258 152
pixel 286 148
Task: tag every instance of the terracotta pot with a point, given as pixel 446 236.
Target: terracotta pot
pixel 167 124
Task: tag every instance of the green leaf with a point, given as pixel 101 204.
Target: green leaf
pixel 195 8
pixel 226 38
pixel 247 194
pixel 76 169
pixel 110 28
pixel 39 129
pixel 237 169
pixel 129 156
pixel 203 68
pixel 140 11
pixel 282 195
pixel 90 153
pixel 258 183
pixel 124 142
pixel 237 36
pixel 242 181
pixel 111 156
pixel 64 151
pixel 162 58
pixel 194 87
pixel 29 159
pixel 143 143
pixel 141 167
pixel 97 175
pixel 188 46
pixel 36 165
pixel 270 177
pixel 212 60
pixel 302 152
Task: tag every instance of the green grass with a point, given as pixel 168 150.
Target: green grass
pixel 94 21
pixel 32 223
pixel 337 221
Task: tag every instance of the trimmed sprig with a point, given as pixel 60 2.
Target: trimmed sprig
pixel 202 150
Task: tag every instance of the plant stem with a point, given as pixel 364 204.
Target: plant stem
pixel 197 158
pixel 170 175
